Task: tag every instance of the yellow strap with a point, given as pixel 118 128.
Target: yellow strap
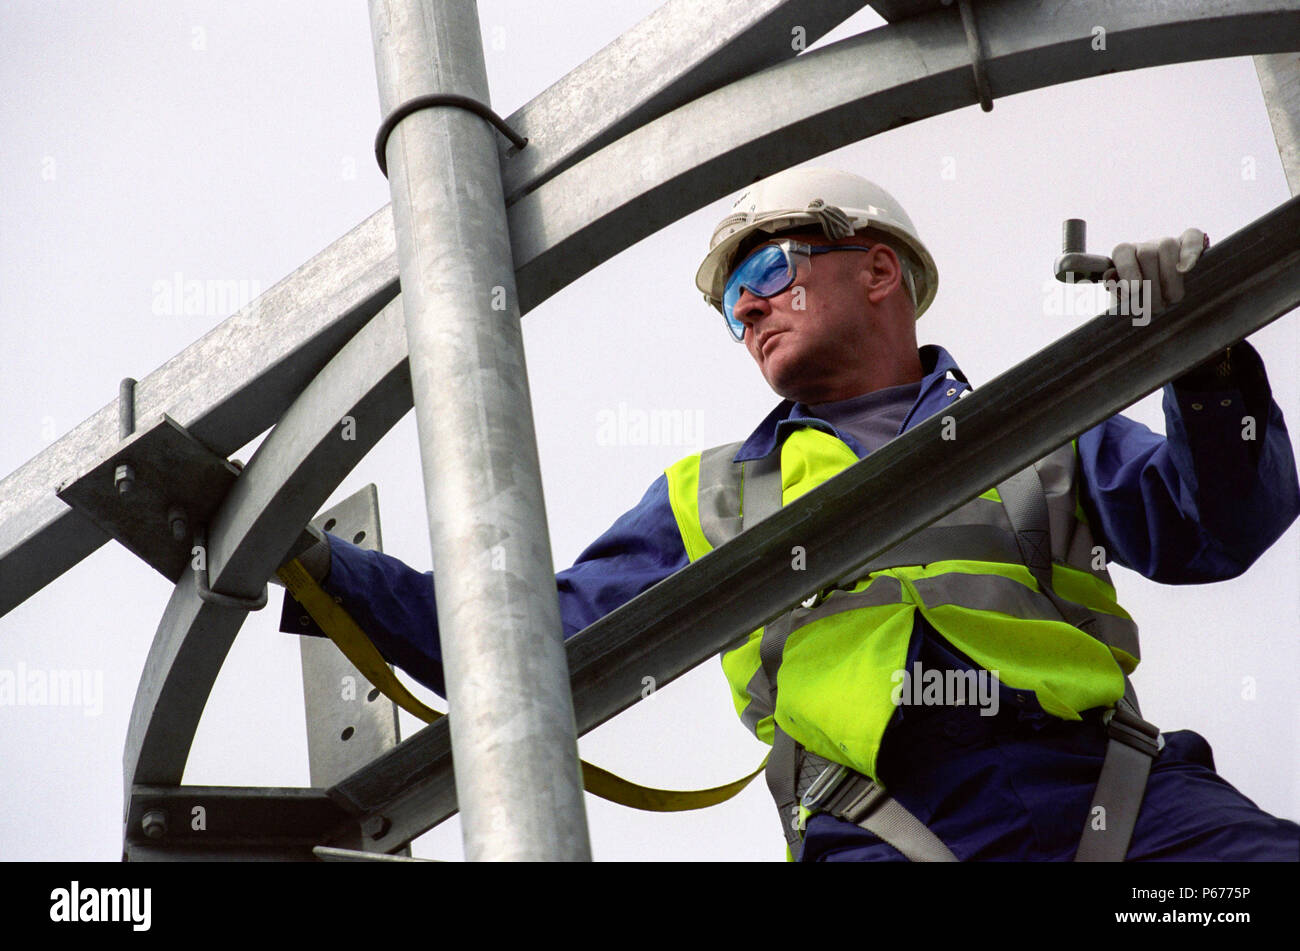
pixel 352 641
pixel 606 785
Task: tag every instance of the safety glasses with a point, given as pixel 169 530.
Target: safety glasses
pixel 768 271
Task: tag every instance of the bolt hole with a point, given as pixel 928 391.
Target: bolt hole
pixel 347 733
pixel 358 538
pixel 373 695
pixel 329 524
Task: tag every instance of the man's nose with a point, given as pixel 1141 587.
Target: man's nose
pixel 750 307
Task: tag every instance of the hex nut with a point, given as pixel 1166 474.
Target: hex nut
pixel 154 823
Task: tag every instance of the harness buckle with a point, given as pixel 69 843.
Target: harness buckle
pixel 1131 730
pixel 824 787
pixel 852 802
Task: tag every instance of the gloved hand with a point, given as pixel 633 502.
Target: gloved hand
pixel 315 559
pixel 1162 263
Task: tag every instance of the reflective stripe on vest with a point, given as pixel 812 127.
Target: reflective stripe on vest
pixel 1041 619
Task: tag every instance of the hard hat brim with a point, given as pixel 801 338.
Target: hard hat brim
pixel 711 278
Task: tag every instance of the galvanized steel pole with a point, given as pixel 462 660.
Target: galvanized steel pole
pixel 517 774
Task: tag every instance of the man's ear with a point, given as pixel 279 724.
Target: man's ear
pixel 881 272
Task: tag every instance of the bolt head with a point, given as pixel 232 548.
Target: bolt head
pixel 154 823
pixel 123 478
pixel 376 827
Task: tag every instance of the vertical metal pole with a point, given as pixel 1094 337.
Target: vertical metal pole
pixel 1279 79
pixel 514 743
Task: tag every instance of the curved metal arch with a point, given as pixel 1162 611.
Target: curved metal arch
pixel 286 482
pixel 588 213
pixel 852 90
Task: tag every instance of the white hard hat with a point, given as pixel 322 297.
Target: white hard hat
pixel 840 202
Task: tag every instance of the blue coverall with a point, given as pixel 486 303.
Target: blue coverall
pixel 1199 505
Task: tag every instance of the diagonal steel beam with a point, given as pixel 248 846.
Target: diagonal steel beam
pixel 224 389
pixel 1241 285
pixel 232 384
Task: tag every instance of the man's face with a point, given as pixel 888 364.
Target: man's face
pixel 819 338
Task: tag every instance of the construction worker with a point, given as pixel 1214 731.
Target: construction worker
pixel 965 695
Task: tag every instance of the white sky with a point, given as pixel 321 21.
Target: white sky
pixel 232 141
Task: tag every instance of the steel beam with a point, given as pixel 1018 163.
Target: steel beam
pixel 235 382
pixel 228 823
pixel 518 781
pixel 1279 80
pixel 894 10
pixel 1241 284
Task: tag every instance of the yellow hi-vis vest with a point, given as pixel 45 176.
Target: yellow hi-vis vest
pixel 828 674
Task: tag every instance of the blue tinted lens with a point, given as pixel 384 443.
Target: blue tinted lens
pixel 765 272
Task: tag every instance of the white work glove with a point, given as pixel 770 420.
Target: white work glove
pixel 316 559
pixel 1159 265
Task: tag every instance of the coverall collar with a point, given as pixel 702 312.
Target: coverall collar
pixel 936 365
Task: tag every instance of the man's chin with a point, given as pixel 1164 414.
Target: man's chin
pixel 784 385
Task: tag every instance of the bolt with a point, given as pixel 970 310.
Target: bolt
pixel 376 827
pixel 124 478
pixel 154 823
pixel 179 523
pixel 126 408
pixel 1074 236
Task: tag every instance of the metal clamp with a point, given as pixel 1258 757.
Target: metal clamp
pixel 216 597
pixel 438 99
pixel 1131 730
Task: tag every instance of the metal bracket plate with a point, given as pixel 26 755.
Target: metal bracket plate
pixel 172 470
pixel 349 723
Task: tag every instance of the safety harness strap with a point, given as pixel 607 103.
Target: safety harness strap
pixel 840 791
pixel 763 476
pixel 852 797
pixel 1133 742
pixel 719 494
pixel 781 773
